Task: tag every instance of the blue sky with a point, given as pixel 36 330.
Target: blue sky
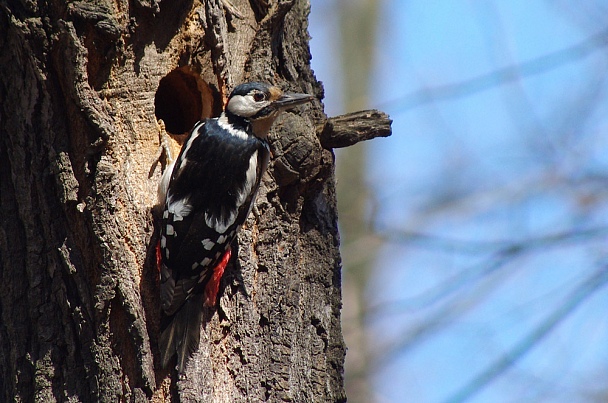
pixel 508 163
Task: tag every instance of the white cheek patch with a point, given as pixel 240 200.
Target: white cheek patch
pixel 245 105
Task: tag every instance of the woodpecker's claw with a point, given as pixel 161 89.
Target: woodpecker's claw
pixel 164 149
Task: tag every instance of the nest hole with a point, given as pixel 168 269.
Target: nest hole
pixel 182 99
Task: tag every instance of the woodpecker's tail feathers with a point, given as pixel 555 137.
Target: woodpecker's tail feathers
pixel 181 334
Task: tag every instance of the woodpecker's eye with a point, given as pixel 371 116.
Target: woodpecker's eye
pixel 258 97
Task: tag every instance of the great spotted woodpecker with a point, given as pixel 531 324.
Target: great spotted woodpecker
pixel 206 195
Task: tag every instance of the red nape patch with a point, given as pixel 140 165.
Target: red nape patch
pixel 159 258
pixel 213 286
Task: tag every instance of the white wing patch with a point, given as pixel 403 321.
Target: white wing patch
pixel 179 208
pixel 208 244
pixel 220 225
pixel 163 186
pixel 193 136
pixel 170 231
pixel 249 181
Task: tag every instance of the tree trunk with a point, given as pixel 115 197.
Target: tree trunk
pixel 82 87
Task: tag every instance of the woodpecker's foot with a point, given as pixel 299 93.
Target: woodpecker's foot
pixel 213 286
pixel 255 211
pixel 164 148
pixel 164 143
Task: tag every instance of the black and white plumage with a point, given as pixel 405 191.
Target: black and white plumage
pixel 206 196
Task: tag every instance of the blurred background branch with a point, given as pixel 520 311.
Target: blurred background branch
pixel 475 239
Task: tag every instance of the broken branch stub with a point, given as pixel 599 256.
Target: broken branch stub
pixel 351 128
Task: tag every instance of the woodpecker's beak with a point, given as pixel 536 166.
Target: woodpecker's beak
pixel 286 101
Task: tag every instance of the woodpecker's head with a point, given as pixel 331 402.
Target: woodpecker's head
pixel 260 104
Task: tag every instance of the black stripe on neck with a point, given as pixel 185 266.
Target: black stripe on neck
pixel 239 122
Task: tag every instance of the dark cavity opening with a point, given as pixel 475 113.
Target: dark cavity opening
pixel 182 99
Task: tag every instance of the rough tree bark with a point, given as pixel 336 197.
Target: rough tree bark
pixel 83 84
